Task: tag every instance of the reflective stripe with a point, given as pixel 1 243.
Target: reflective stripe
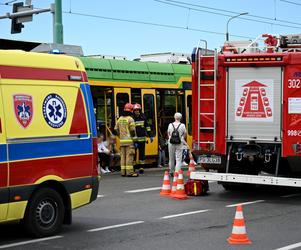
pixel 139 123
pixel 126 140
pixel 239 215
pixel 239 230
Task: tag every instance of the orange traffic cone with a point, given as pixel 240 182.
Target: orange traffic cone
pixel 165 191
pixel 239 234
pixel 174 184
pixel 191 167
pixel 180 193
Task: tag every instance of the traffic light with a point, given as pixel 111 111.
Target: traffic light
pixel 16 26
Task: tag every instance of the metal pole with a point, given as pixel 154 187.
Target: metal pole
pixel 227 28
pixel 58 23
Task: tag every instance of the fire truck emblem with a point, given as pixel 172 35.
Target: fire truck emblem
pixel 23 108
pixel 254 102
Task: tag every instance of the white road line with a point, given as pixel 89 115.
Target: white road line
pixel 143 190
pixel 29 242
pixel 212 181
pixel 290 195
pixel 184 214
pixel 289 247
pixel 245 203
pixel 115 226
pixel 100 196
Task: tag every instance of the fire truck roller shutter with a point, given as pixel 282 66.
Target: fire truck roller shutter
pixel 254 103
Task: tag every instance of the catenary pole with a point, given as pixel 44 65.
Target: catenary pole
pixel 58 23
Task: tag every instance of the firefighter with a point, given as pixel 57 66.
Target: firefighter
pixel 142 130
pixel 125 129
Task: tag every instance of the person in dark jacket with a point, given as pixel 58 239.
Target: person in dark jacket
pixel 143 130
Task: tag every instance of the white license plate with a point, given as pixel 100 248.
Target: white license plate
pixel 210 159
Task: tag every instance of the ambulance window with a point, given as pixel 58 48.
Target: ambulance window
pixel 121 100
pixel 149 106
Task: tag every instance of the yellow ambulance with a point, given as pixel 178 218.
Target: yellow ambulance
pixel 48 147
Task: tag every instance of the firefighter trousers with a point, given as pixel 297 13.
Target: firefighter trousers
pixel 126 159
pixel 140 150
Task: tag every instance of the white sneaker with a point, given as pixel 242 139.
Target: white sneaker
pixel 103 171
pixel 184 164
pixel 108 170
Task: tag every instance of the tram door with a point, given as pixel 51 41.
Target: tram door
pixel 188 115
pixel 149 108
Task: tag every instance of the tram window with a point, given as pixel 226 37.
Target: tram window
pixel 121 100
pixel 149 111
pixel 189 107
pixel 136 96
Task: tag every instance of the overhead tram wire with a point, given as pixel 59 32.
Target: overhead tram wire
pixel 290 2
pixel 189 6
pixel 151 24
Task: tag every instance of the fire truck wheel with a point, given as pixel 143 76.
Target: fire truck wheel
pixel 44 213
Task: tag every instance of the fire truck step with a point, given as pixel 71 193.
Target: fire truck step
pixel 206 128
pixel 207 85
pixel 207 70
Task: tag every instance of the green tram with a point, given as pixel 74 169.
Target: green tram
pixel 162 89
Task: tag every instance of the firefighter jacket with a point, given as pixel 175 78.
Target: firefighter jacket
pixel 125 128
pixel 142 128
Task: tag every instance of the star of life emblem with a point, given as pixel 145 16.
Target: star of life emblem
pixel 54 110
pixel 23 107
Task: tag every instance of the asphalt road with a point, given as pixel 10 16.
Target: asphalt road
pixel 127 217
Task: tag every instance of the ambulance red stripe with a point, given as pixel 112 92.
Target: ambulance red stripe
pixel 29 73
pixel 28 172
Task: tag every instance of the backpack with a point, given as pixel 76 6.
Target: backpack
pixel 175 135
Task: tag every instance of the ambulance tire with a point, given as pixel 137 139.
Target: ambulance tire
pixel 44 213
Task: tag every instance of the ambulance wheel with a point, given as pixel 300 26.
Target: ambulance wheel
pixel 44 213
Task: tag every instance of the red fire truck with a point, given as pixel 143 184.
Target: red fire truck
pixel 247 112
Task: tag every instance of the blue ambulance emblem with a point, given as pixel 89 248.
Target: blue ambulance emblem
pixel 54 110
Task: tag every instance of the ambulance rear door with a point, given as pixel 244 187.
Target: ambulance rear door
pixel 254 104
pixel 4 191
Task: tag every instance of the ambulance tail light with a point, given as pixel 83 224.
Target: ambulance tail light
pixel 95 170
pixel 297 148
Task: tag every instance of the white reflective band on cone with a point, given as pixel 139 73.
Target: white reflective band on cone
pixel 239 215
pixel 239 230
pixel 165 187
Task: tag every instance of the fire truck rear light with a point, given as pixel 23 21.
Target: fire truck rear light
pixel 17 198
pixel 279 58
pixel 87 186
pixel 297 148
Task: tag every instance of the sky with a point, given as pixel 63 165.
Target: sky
pixel 133 27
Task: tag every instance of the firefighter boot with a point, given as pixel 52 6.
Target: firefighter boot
pixel 130 172
pixel 123 171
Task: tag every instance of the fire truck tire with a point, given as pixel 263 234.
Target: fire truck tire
pixel 44 213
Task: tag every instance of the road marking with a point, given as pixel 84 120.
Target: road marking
pixel 211 181
pixel 30 242
pixel 143 190
pixel 100 196
pixel 184 214
pixel 245 203
pixel 293 246
pixel 290 195
pixel 115 226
